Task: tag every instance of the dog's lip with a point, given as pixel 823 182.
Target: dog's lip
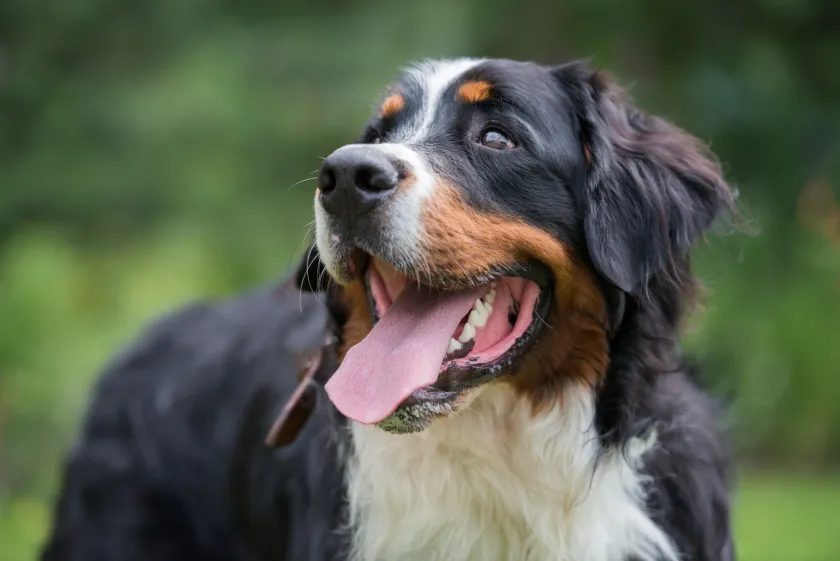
pixel 354 258
pixel 359 260
pixel 357 263
pixel 455 379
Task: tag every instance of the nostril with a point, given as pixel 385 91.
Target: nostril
pixel 326 180
pixel 363 178
pixel 375 178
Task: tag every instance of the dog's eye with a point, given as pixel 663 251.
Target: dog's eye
pixel 497 140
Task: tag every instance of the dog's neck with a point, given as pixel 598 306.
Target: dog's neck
pixel 498 482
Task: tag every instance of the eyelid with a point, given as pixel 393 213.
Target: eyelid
pixel 498 125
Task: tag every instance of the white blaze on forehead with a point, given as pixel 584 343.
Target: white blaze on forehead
pixel 433 77
pixel 399 219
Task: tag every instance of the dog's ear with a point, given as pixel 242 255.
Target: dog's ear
pixel 310 275
pixel 650 188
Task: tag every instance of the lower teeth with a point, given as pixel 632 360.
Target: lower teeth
pixel 461 351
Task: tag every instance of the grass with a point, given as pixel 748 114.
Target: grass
pixel 788 518
pixel 777 518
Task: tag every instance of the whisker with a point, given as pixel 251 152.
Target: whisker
pixel 545 323
pixel 309 228
pixel 308 260
pixel 329 280
pixel 295 184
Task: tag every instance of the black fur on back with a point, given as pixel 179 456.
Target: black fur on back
pixel 170 463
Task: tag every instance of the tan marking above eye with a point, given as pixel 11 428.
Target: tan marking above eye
pixel 392 105
pixel 475 92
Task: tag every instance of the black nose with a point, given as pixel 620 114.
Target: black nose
pixel 354 179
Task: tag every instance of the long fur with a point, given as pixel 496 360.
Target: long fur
pixel 501 483
pixel 627 464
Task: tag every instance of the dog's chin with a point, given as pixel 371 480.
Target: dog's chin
pixel 425 406
pixel 496 321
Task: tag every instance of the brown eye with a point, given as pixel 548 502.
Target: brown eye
pixel 496 140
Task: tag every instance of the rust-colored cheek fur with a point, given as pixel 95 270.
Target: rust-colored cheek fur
pixel 359 317
pixel 572 347
pixel 574 344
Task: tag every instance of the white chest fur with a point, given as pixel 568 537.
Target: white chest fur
pixel 496 483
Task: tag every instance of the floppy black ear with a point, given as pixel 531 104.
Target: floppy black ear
pixel 650 189
pixel 310 275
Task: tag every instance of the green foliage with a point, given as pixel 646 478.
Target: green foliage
pixel 767 340
pixel 158 152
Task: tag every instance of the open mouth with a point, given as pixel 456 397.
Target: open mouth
pixel 428 346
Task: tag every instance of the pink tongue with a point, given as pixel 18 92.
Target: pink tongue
pixel 402 353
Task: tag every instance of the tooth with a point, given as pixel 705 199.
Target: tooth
pixel 478 306
pixel 490 296
pixel 467 334
pixel 454 346
pixel 478 318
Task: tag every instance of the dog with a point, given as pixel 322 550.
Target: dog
pixel 477 359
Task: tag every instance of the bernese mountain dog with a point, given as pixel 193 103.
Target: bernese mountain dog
pixel 477 359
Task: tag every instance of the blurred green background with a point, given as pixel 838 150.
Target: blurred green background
pixel 152 153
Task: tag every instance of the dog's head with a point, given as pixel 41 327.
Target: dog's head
pixel 490 227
